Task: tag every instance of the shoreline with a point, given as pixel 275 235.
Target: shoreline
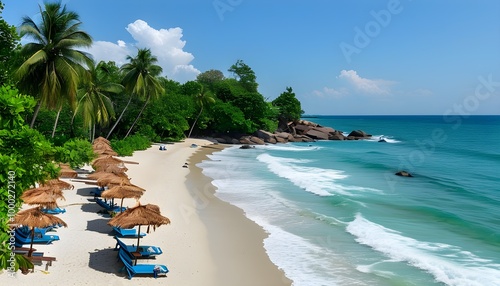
pixel 209 242
pixel 232 236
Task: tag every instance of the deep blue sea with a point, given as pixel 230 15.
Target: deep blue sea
pixel 337 215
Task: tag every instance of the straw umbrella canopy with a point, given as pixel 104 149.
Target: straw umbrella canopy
pixel 58 184
pixel 116 169
pixel 147 215
pixel 109 152
pixel 101 139
pixel 67 172
pixel 102 174
pixel 112 179
pixel 34 217
pixel 105 161
pixel 123 192
pixel 43 196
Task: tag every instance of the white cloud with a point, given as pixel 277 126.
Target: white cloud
pixel 365 85
pixel 165 44
pixel 331 92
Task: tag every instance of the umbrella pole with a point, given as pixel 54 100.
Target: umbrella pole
pixel 138 238
pixel 32 238
pixel 121 206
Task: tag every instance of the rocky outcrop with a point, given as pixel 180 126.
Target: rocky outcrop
pixel 358 134
pixel 300 131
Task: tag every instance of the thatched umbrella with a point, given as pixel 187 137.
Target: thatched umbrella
pixel 123 192
pixel 103 174
pixel 115 169
pixel 67 172
pixel 138 216
pixel 112 179
pixel 107 152
pixel 58 184
pixel 104 161
pixel 101 139
pixel 43 196
pixel 33 218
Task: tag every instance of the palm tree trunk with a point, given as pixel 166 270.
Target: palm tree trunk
pixel 37 109
pixel 196 120
pixel 119 118
pixel 137 118
pixel 55 123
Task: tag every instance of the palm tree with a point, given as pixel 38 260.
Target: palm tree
pixel 94 104
pixel 203 97
pixel 53 65
pixel 140 80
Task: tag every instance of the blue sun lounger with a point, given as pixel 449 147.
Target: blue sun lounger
pixel 108 206
pixel 127 232
pixel 146 251
pixel 56 210
pixel 144 269
pixel 39 238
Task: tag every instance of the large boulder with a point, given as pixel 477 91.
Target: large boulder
pixel 301 129
pixel 336 136
pixel 359 134
pixel 317 134
pixel 266 136
pixel 256 140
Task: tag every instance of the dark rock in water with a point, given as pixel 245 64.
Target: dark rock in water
pixel 382 140
pixel 246 147
pixel 359 134
pixel 403 174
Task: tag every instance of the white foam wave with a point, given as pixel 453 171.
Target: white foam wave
pixel 319 181
pixel 387 139
pixel 315 180
pixel 289 147
pixel 468 270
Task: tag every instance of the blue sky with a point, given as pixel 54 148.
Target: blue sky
pixel 340 57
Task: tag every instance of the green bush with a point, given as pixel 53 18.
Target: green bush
pixel 127 146
pixel 75 152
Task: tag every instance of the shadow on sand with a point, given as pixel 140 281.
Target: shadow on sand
pixel 86 192
pixel 105 260
pixel 100 225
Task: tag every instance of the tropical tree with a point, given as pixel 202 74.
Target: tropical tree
pixel 289 107
pixel 245 75
pixel 53 64
pixel 202 97
pixel 94 104
pixel 140 80
pixel 9 43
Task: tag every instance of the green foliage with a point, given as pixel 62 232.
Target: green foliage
pixel 13 107
pixel 289 106
pixel 75 152
pixel 9 43
pixel 168 117
pixel 245 75
pixel 25 158
pixel 210 77
pixel 227 118
pixel 53 62
pixel 127 146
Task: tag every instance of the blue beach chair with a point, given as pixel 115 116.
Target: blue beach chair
pixel 140 269
pixel 127 232
pixel 39 238
pixel 146 251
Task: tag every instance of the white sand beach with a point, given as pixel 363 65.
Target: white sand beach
pixel 208 242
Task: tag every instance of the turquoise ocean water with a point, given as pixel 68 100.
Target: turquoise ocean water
pixel 337 215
